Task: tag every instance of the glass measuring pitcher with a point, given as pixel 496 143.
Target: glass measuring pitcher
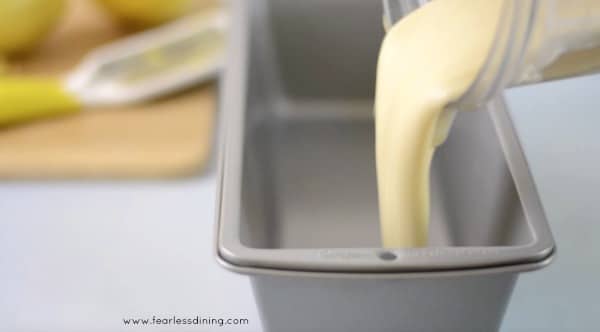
pixel 536 40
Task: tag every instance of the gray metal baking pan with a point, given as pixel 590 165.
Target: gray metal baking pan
pixel 297 204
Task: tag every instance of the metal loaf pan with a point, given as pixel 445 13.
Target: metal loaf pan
pixel 297 204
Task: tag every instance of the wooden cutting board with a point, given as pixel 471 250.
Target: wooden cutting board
pixel 167 137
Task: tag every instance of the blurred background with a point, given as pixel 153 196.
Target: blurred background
pixel 108 89
pixel 107 202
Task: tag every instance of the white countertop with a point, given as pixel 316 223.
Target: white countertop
pixel 559 125
pixel 81 256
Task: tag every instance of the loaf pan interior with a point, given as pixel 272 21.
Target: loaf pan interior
pixel 308 176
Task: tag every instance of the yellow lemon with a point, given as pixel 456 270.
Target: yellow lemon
pixel 147 12
pixel 3 65
pixel 24 23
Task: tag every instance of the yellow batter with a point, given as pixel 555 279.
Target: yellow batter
pixel 427 61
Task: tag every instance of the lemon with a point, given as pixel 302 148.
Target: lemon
pixel 3 65
pixel 147 12
pixel 24 23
